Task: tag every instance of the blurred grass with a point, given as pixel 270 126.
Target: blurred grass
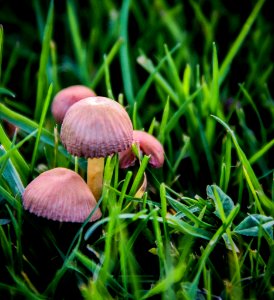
pixel 196 75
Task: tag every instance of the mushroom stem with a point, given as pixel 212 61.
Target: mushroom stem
pixel 95 172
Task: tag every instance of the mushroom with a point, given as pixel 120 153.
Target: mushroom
pixel 67 97
pixel 148 145
pixel 61 195
pixel 94 128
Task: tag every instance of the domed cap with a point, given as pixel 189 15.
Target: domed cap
pixel 66 97
pixel 96 127
pixel 61 195
pixel 149 145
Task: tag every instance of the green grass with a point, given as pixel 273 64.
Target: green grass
pixel 196 75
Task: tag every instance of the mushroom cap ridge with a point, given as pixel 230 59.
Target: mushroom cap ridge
pixel 61 195
pixel 96 127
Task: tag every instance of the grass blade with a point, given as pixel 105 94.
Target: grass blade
pixel 42 120
pixel 239 40
pixel 258 193
pixel 17 159
pixel 124 54
pixel 45 53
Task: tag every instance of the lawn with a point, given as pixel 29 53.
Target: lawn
pixel 193 217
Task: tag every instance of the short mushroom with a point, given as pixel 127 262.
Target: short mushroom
pixel 67 97
pixel 94 128
pixel 148 145
pixel 61 195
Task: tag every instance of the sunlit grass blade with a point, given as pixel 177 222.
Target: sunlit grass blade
pixel 139 176
pixel 261 152
pixel 124 188
pixel 186 84
pixel 164 121
pixel 226 163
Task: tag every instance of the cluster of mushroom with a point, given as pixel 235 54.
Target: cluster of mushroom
pixel 93 127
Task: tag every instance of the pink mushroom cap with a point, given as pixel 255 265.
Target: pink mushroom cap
pixel 61 195
pixel 96 127
pixel 149 145
pixel 66 97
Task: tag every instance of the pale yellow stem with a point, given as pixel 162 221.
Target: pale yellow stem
pixel 95 174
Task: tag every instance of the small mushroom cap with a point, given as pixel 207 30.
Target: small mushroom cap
pixel 149 145
pixel 65 98
pixel 61 195
pixel 96 127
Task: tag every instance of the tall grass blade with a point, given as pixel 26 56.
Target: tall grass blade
pixel 124 54
pixel 78 47
pixel 261 152
pixel 44 58
pixel 139 176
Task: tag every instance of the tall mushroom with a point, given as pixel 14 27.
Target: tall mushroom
pixel 67 97
pixel 94 128
pixel 61 195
